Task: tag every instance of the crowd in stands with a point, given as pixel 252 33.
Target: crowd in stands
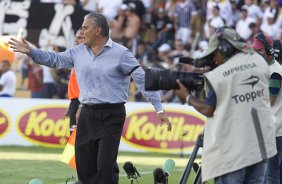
pixel 158 32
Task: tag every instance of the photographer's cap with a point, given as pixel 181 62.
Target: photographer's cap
pixel 229 35
pixel 258 44
pixel 213 45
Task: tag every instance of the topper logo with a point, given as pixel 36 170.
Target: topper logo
pixel 4 123
pixel 45 126
pixel 142 129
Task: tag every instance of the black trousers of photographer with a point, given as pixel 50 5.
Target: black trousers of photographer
pixel 97 141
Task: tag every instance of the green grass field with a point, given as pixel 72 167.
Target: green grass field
pixel 21 164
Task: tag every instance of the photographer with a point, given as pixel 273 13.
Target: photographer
pixel 263 45
pixel 239 134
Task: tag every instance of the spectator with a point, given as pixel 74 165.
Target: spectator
pixel 8 80
pixel 89 5
pixel 49 88
pixel 164 56
pixel 275 9
pixel 242 26
pixel 139 8
pixel 178 52
pixel 24 70
pixel 202 46
pixel 185 16
pixel 225 10
pixel 255 30
pixel 254 11
pixel 270 27
pixel 35 79
pixel 163 27
pixel 170 9
pixel 147 16
pixel 264 5
pixel 235 13
pixel 61 78
pixel 109 8
pixel 214 22
pixel 142 55
pixel 133 24
pixel 118 24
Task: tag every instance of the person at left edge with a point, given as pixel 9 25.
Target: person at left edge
pixel 103 70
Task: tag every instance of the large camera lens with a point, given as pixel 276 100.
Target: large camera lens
pixel 158 79
pixel 152 78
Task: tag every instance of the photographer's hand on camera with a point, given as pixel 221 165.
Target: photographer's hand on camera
pixel 185 96
pixel 183 92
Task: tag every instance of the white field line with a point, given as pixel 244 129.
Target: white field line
pixel 151 172
pixel 141 173
pixel 142 160
pixel 146 160
pixel 28 156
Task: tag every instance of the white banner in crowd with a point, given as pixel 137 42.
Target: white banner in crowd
pixel 29 122
pixel 57 26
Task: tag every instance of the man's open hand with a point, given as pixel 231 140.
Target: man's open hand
pixel 19 46
pixel 164 120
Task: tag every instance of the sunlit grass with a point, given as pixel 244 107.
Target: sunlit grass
pixel 21 164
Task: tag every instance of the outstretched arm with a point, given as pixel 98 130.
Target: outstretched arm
pixel 47 58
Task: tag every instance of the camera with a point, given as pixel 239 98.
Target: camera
pixel 206 62
pixel 164 79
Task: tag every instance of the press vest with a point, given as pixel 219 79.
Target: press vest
pixel 242 131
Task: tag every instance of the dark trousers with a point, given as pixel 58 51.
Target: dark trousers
pixel 72 111
pixel 274 163
pixel 97 141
